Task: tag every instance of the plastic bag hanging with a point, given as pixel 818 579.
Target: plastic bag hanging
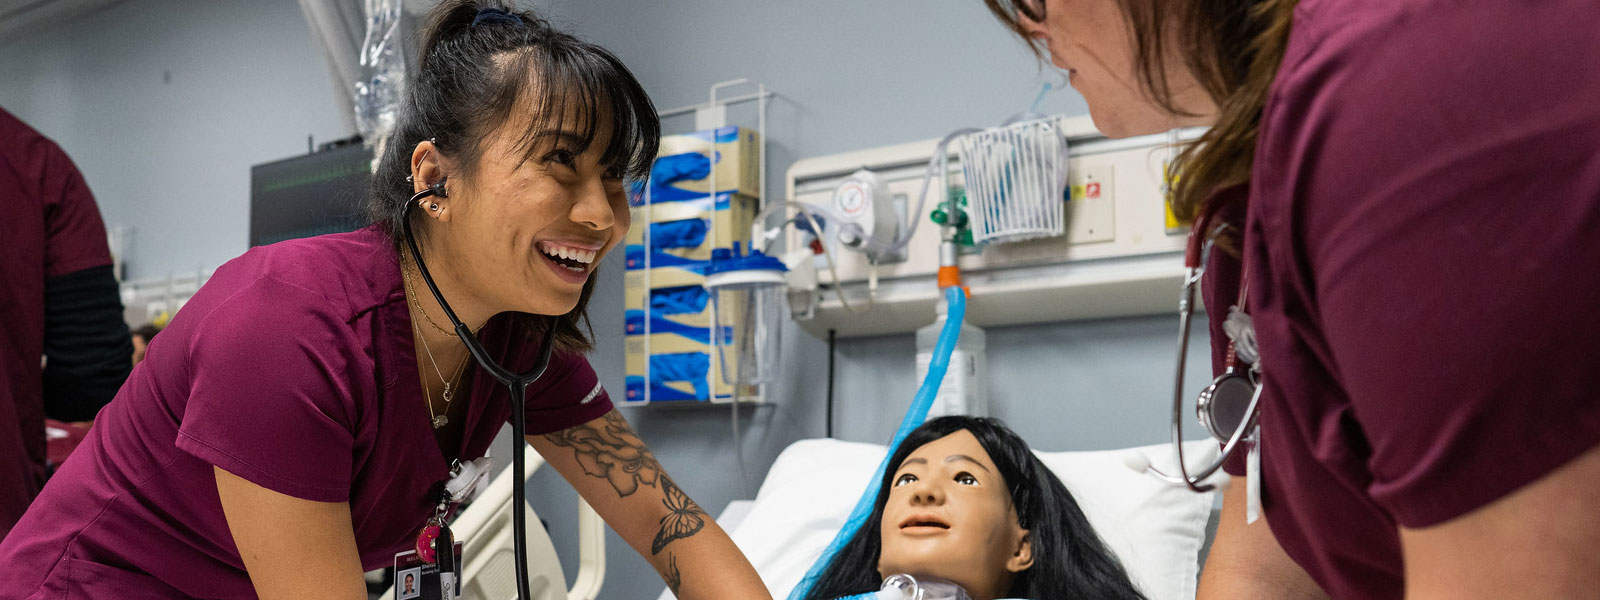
pixel 380 82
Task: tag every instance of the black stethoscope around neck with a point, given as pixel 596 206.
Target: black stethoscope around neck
pixel 516 383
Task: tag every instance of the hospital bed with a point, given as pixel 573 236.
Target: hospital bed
pixel 1158 531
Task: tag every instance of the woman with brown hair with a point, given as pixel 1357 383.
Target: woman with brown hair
pixel 1407 193
pixel 306 417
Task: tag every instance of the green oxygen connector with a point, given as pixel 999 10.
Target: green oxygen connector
pixel 959 220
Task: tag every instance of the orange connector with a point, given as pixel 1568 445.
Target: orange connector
pixel 951 277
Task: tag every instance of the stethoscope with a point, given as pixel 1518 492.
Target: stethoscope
pixel 1229 408
pixel 516 383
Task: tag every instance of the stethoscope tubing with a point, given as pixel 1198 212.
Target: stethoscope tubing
pixel 1197 254
pixel 516 383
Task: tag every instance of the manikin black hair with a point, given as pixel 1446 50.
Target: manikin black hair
pixel 1069 559
pixel 475 74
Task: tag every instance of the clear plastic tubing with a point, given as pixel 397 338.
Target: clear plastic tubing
pixel 957 300
pixel 935 163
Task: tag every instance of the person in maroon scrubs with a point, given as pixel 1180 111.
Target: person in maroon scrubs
pixel 295 423
pixel 1413 194
pixel 58 300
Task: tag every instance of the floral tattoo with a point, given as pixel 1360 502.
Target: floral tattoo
pixel 611 451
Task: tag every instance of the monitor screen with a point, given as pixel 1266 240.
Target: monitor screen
pixel 309 195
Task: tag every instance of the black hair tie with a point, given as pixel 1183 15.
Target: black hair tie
pixel 490 14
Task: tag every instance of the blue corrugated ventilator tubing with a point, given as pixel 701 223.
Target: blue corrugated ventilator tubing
pixel 957 300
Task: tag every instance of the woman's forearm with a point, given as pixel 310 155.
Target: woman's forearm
pixel 707 566
pixel 613 470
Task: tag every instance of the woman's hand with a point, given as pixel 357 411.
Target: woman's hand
pixel 292 548
pixel 616 474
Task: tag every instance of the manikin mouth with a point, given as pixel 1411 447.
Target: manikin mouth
pixel 924 521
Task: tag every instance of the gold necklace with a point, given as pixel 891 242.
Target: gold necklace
pixel 411 296
pixel 448 394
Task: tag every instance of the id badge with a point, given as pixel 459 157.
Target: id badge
pixel 418 580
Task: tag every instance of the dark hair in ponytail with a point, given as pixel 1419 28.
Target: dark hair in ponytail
pixel 1070 560
pixel 478 64
pixel 1232 47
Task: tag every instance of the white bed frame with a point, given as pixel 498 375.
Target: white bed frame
pixel 485 532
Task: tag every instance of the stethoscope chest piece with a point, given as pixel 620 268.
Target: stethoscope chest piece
pixel 1224 406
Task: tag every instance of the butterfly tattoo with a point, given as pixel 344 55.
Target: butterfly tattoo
pixel 685 520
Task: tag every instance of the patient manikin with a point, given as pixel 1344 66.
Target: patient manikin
pixel 967 511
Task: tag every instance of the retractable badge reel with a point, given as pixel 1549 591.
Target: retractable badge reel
pixel 1228 405
pixel 434 565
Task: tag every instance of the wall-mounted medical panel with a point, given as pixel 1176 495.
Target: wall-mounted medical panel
pixel 1117 258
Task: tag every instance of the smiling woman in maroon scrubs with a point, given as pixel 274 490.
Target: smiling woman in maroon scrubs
pixel 292 426
pixel 1414 193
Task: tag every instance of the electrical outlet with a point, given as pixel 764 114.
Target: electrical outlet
pixel 1091 214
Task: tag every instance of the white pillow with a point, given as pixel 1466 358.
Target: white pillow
pixel 1155 529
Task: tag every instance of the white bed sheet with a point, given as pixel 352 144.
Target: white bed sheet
pixel 1157 530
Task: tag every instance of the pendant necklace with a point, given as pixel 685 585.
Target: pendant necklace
pixel 449 384
pixel 438 420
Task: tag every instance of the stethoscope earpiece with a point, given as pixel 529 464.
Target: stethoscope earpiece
pixel 436 189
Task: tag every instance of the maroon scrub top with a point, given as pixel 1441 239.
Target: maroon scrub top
pixel 294 369
pixel 1423 246
pixel 51 227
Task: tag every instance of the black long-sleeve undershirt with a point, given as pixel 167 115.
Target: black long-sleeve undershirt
pixel 86 344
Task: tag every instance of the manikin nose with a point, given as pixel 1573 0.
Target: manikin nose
pixel 924 493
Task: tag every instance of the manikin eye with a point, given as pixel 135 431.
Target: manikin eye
pixel 965 478
pixel 904 479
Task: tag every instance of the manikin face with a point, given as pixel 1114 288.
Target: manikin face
pixel 1091 40
pixel 949 515
pixel 524 234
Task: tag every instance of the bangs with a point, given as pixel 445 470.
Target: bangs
pixel 584 95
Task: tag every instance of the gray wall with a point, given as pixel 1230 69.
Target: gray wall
pixel 248 84
pixel 853 75
pixel 165 104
